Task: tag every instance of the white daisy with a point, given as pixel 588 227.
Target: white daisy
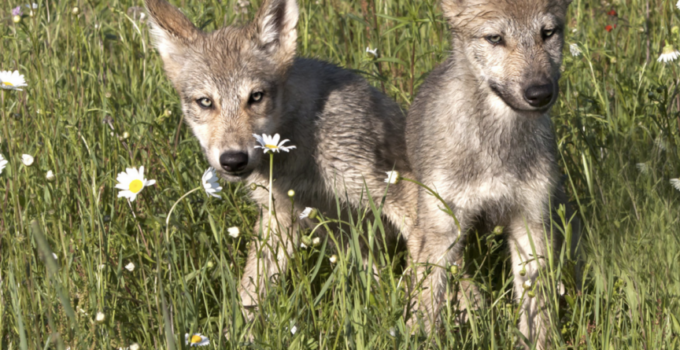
pixel 373 52
pixel 575 51
pixel 134 346
pixel 333 259
pixel 27 159
pixel 196 340
pixel 11 80
pixel 271 143
pixel 392 177
pixel 316 241
pixel 233 232
pixel 527 284
pixel 100 317
pixel 293 330
pixel 308 213
pixel 50 175
pixel 676 183
pixel 3 163
pixel 669 54
pixel 131 182
pixel 678 4
pixel 210 183
pixel 130 267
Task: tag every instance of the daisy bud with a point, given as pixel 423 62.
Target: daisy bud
pixel 675 30
pixel 100 317
pixel 523 271
pixel 531 294
pixel 130 267
pixel 27 159
pixel 333 259
pixel 107 95
pixel 209 264
pixel 498 230
pixel 55 256
pixel 527 284
pixel 167 113
pixel 253 187
pixel 393 332
pixel 16 19
pixel 306 241
pixel 50 175
pixel 308 213
pixel 316 241
pixel 75 10
pixel 454 269
pixel 31 13
pixel 233 232
pixel 134 346
pixel 126 135
pixel 291 193
pixel 392 177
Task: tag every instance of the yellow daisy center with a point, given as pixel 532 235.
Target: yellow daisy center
pixel 136 186
pixel 7 83
pixel 271 146
pixel 196 339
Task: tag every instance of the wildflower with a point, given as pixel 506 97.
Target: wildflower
pixel 308 213
pixel 196 340
pixel 130 267
pixel 16 11
pixel 75 10
pixel 642 167
pixel 373 52
pixel 333 259
pixel 668 54
pixel 609 27
pixel 210 184
pixel 233 232
pixel 676 183
pixel 392 177
pixel 527 284
pixel 293 330
pixel 306 242
pixel 291 193
pixel 54 255
pixel 271 143
pixel 612 13
pixel 100 317
pixel 126 135
pixel 27 159
pixel 393 332
pixel 11 80
pixel 678 5
pixel 575 51
pixel 134 346
pixel 32 6
pixel 316 241
pixel 131 182
pixel 16 19
pixel 3 163
pixel 50 175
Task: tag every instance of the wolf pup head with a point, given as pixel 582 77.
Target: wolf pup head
pixel 229 80
pixel 512 47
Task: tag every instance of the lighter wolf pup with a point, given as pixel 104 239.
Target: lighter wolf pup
pixel 479 134
pixel 239 81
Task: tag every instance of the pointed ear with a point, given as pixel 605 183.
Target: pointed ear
pixel 172 32
pixel 277 28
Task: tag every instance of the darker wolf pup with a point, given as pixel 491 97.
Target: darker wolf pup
pixel 239 81
pixel 479 134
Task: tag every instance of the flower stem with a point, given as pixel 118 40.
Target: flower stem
pixel 167 219
pixel 271 174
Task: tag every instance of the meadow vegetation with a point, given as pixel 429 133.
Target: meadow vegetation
pixel 98 102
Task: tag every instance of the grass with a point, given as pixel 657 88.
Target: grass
pixel 94 79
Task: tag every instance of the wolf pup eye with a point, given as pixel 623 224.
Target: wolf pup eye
pixel 204 102
pixel 494 39
pixel 547 33
pixel 256 97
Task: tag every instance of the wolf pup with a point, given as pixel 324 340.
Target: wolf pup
pixel 479 134
pixel 239 81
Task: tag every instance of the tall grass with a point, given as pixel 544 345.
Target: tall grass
pixel 98 102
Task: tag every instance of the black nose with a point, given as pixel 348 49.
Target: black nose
pixel 539 95
pixel 233 161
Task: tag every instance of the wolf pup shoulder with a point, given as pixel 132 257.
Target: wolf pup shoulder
pixel 479 133
pixel 239 81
